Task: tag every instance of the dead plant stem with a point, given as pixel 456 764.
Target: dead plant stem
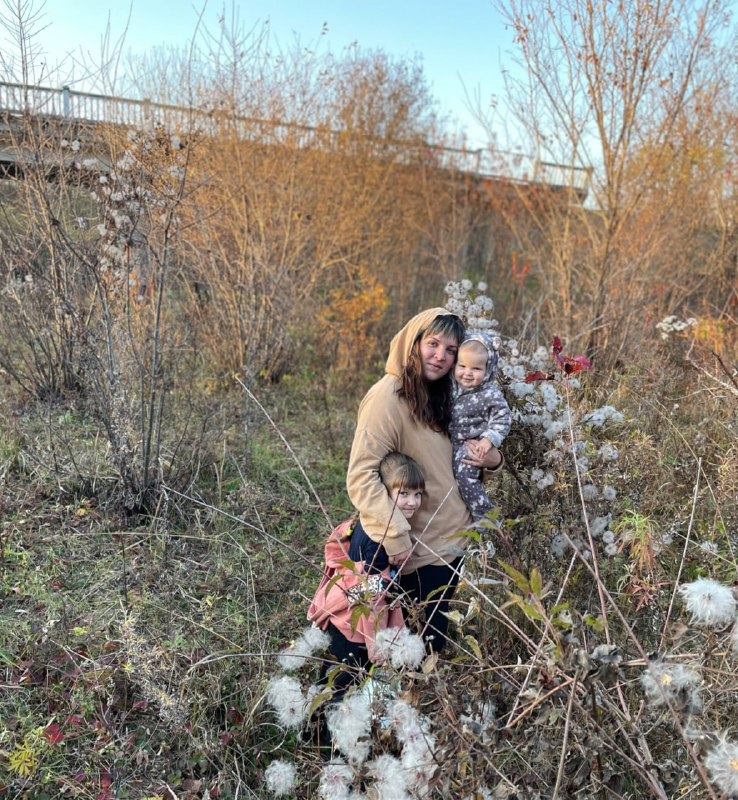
pixel 684 553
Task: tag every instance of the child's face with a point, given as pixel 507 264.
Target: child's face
pixel 406 500
pixel 471 368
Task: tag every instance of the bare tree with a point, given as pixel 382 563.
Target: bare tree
pixel 618 86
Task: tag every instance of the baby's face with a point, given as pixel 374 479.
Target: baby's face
pixel 407 500
pixel 471 367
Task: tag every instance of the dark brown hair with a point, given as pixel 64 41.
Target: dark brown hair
pixel 430 401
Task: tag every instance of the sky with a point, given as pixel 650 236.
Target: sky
pixel 463 44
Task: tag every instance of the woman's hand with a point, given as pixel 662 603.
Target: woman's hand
pixel 399 558
pixel 481 457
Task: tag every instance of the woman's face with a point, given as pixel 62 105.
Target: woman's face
pixel 437 355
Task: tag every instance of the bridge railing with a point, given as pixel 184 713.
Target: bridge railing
pixel 85 107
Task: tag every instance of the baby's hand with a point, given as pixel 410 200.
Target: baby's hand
pixel 482 457
pixel 478 447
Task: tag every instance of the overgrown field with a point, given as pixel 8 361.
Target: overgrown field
pixel 137 649
pixel 190 314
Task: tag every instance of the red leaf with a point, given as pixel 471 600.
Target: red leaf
pixel 532 377
pixel 54 735
pixel 105 783
pixel 576 364
pixel 140 705
pixel 557 346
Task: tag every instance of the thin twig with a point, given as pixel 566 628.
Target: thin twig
pixel 539 700
pixel 684 553
pixel 241 521
pixel 592 549
pixel 565 741
pixel 288 446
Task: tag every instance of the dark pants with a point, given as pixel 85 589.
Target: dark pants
pixel 440 582
pixel 354 657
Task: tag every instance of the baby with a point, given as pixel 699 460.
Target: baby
pixel 479 412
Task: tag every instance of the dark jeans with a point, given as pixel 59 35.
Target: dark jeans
pixel 354 656
pixel 440 582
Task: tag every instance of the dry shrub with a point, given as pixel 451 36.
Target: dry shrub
pixel 643 100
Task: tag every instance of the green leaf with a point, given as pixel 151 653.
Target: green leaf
pixel 455 616
pixel 562 619
pixel 518 578
pixel 596 623
pixel 531 611
pixel 332 582
pixel 318 701
pixel 473 535
pixel 359 611
pixel 536 582
pixel 474 645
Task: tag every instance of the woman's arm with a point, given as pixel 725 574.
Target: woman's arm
pixel 377 433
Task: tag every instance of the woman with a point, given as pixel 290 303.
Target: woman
pixel 408 411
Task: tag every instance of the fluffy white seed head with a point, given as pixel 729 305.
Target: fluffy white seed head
pixel 336 781
pixel 400 647
pixel 390 777
pixel 350 725
pixel 721 764
pixel 710 603
pixel 609 493
pixel 285 696
pixel 280 778
pixel 312 640
pixel 676 683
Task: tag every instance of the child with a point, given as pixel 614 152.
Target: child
pixel 479 412
pixel 404 482
pixel 344 587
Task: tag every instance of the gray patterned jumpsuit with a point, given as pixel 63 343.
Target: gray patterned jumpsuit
pixel 478 412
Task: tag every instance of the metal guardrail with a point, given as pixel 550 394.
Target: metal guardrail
pixel 84 107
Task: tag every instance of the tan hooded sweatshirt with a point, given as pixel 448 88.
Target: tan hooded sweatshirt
pixel 384 426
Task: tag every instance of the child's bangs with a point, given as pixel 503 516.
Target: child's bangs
pixel 409 477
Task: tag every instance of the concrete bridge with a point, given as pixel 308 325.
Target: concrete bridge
pixel 72 115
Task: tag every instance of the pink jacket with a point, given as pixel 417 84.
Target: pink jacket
pixel 348 598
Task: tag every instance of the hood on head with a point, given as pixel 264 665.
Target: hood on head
pixel 403 342
pixel 492 343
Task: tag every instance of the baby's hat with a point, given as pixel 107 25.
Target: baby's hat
pixel 492 343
